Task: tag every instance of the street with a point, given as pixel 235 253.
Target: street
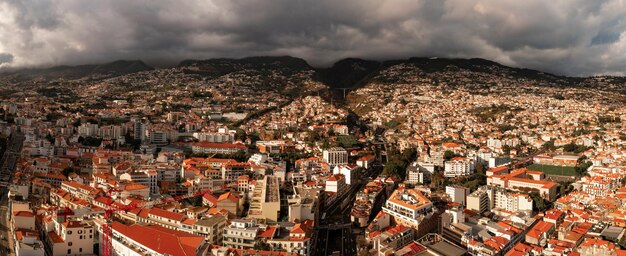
pixel 7 168
pixel 6 241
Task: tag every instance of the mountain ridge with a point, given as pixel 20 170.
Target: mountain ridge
pixel 345 73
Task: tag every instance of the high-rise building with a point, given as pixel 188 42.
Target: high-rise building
pixel 140 131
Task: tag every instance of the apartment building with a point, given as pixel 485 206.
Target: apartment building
pixel 298 241
pixel 139 240
pixel 352 173
pixel 457 194
pixel 458 166
pixel 70 237
pixel 144 177
pixel 525 180
pixel 478 201
pixel 335 156
pixel 265 201
pixel 408 206
pixel 241 234
pixel 211 228
pixel 216 148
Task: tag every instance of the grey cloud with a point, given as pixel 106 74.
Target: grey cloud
pixel 575 37
pixel 5 58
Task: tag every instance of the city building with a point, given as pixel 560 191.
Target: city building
pixel 457 194
pixel 139 240
pixel 458 166
pixel 409 207
pixel 265 201
pixel 335 156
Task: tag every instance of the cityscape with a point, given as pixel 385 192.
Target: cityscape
pixel 259 151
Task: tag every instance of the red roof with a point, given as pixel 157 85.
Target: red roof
pixel 230 196
pixel 167 214
pixel 269 232
pixel 160 239
pixel 23 214
pixel 205 144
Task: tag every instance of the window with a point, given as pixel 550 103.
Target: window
pixel 69 232
pixel 80 249
pixel 69 251
pixel 69 244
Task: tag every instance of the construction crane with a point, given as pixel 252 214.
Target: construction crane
pixel 112 208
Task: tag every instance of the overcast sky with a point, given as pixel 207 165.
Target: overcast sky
pixel 573 37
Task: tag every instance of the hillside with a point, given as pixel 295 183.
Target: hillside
pixel 347 73
pixel 93 71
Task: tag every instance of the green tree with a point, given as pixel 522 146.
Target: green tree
pixel 50 138
pixel 549 145
pixel 538 201
pixel 480 167
pixel 581 169
pixel 67 171
pixel 449 155
pixel 262 245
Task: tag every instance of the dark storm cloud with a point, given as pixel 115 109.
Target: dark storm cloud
pixel 576 37
pixel 5 58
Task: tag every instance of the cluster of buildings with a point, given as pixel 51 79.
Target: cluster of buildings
pixel 215 166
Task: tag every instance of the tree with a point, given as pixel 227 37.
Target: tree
pixel 325 143
pixel 240 134
pixel 539 202
pixel 581 169
pixel 67 171
pixel 549 145
pixel 262 246
pixel 480 167
pixel 409 155
pixel 312 136
pixel 449 155
pixel 437 180
pixel 394 168
pixel 50 138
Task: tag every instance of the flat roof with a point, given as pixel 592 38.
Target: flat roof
pixel 446 249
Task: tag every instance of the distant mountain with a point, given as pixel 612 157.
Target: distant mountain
pixel 272 71
pixel 94 71
pixel 347 73
pixel 217 67
pixel 431 65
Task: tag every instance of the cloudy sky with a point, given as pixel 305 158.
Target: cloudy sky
pixel 573 37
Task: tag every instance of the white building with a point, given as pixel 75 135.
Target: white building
pixel 498 200
pixel 408 206
pixel 146 177
pixel 336 183
pixel 419 172
pixel 457 194
pixel 157 137
pixel 265 202
pixel 70 237
pixel 351 172
pixel 335 156
pixel 241 234
pixel 458 166
pixel 511 202
pixel 215 137
pixel 298 240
